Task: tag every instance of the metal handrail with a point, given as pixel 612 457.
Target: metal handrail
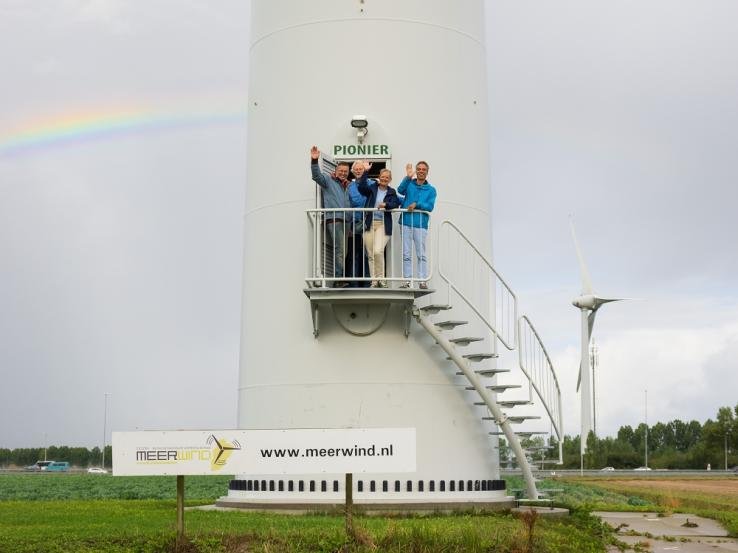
pixel 488 399
pixel 533 358
pixel 504 340
pixel 317 232
pixel 536 365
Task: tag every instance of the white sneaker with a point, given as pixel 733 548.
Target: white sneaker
pixel 405 284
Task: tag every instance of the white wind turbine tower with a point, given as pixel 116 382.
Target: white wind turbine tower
pixel 588 303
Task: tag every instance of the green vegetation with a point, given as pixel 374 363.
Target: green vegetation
pixel 148 526
pixel 584 497
pixel 43 487
pixel 672 445
pixel 55 513
pixel 86 513
pixel 76 456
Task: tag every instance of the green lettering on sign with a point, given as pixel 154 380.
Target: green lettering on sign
pixel 361 151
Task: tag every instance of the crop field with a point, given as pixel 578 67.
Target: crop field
pixel 44 487
pixel 86 513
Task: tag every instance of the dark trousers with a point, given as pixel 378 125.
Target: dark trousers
pixel 357 264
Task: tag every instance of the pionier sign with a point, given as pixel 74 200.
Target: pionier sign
pixel 361 151
pixel 293 451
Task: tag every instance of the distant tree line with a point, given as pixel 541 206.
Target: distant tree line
pixel 672 445
pixel 75 456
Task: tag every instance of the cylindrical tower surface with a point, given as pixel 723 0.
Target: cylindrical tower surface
pixel 416 70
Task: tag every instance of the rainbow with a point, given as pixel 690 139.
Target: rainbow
pixel 73 129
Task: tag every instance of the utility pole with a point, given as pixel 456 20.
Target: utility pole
pixel 726 451
pixel 595 359
pixel 105 428
pixel 646 465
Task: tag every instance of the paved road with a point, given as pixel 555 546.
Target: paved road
pixel 706 536
pixel 629 473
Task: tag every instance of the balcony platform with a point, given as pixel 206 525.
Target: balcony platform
pixel 337 297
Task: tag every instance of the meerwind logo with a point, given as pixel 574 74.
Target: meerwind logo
pixel 222 450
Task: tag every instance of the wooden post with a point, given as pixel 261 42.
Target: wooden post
pixel 180 509
pixel 349 506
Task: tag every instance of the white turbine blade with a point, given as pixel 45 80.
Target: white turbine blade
pixel 590 323
pixel 586 281
pixel 601 301
pixel 605 300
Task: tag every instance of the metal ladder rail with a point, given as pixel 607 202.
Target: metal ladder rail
pixel 507 301
pixel 536 365
pixel 489 401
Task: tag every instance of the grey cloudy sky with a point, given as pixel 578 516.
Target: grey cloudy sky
pixel 121 251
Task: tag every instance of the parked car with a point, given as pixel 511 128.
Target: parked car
pixel 643 468
pixel 96 470
pixel 607 469
pixel 38 466
pixel 58 466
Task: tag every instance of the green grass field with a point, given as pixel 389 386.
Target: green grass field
pixel 86 513
pixel 148 526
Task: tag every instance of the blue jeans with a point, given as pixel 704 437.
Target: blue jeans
pixel 356 261
pixel 416 236
pixel 334 248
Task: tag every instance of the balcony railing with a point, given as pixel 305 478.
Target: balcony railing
pixel 338 254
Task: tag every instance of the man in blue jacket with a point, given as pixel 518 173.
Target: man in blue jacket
pixel 334 196
pixel 357 264
pixel 421 196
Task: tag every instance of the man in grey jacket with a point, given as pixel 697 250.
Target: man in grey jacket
pixel 334 196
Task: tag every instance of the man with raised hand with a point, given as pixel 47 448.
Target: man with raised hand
pixel 419 195
pixel 334 196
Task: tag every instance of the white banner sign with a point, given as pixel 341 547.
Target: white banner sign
pixel 293 451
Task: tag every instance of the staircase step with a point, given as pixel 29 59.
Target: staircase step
pixel 450 325
pixel 515 419
pixel 529 433
pixel 476 357
pixel 434 308
pixel 512 403
pixel 491 372
pixel 523 433
pixel 503 387
pixel 487 372
pixel 465 341
pixel 503 403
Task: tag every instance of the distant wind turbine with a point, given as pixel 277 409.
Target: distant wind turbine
pixel 588 303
